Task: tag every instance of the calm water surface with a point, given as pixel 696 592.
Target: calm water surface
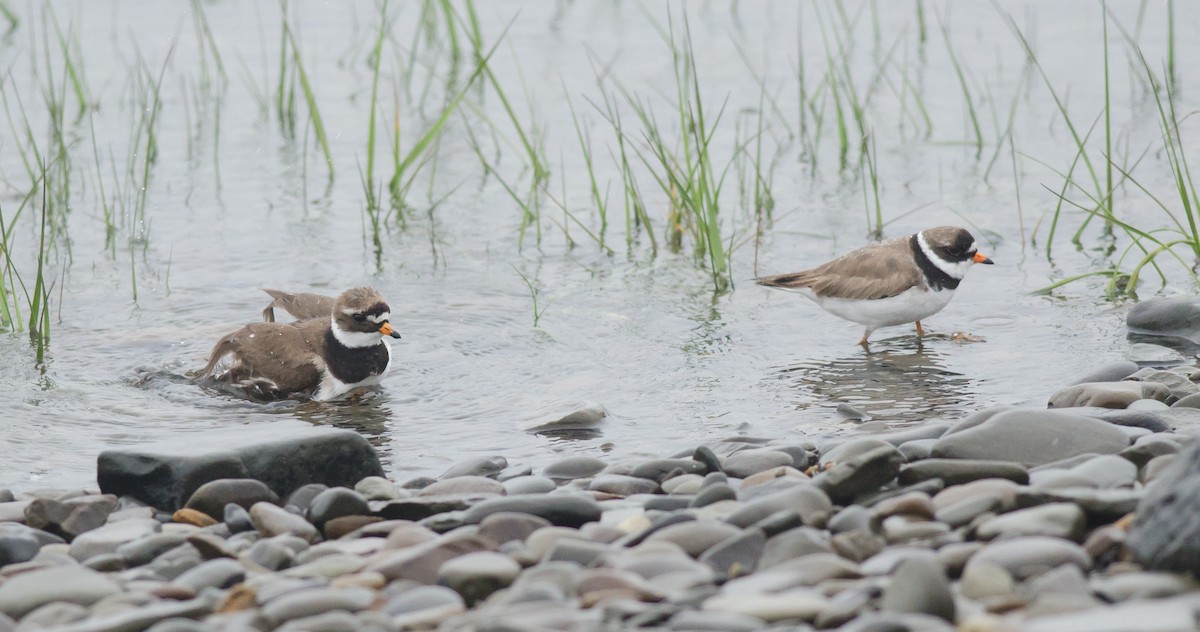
pixel 234 206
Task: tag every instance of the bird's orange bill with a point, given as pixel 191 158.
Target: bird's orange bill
pixel 979 258
pixel 387 330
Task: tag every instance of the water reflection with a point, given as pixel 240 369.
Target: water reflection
pixel 898 380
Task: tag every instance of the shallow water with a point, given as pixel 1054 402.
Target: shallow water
pixel 233 206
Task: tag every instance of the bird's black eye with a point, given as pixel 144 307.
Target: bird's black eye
pixel 360 318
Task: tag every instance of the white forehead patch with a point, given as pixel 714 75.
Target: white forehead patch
pixel 380 319
pixel 349 311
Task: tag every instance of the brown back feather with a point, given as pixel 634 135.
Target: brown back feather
pixel 887 272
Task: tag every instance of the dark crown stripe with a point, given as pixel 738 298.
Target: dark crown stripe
pixel 934 276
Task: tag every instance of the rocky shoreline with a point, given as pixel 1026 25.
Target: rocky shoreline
pixel 1078 518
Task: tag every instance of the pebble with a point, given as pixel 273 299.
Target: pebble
pixel 1028 556
pixel 1060 520
pixel 271 520
pixel 27 591
pixel 1030 437
pixel 212 496
pixel 919 585
pixel 749 462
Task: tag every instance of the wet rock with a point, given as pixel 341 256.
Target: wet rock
pixel 1102 472
pixel 797 603
pixel 486 466
pixel 1141 585
pixel 1100 505
pixel 314 601
pixel 1060 520
pixel 529 485
pixel 658 469
pixel 284 455
pixel 1179 385
pixel 1129 418
pixel 959 471
pixel 1107 394
pixel 146 616
pixel 806 499
pixel 621 485
pixel 422 561
pixel 682 485
pixel 212 497
pixel 582 417
pixel 377 488
pixel 269 554
pixel 1031 437
pixel 911 504
pixel 858 545
pixel 51 615
pixel 713 494
pixel 237 519
pixel 71 518
pixel 694 536
pixel 1113 371
pixel 1146 353
pixel 862 473
pixel 302 497
pixel 565 510
pixel 736 555
pixel 919 585
pixel 26 591
pixel 1165 536
pixel 336 502
pixel 219 573
pixel 464 485
pixel 1025 557
pixel 424 606
pixel 1174 317
pixel 748 462
pixel 106 539
pixel 1189 401
pixel 144 549
pixel 271 520
pixel 18 543
pixel 574 467
pixel 984 579
pixel 508 526
pixel 706 457
pixel 477 575
pixel 193 517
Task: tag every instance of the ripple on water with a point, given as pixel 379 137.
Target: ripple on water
pixel 899 380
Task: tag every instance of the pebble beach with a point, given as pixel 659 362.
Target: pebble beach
pixel 1077 517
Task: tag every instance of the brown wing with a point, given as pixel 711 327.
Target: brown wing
pixel 300 305
pixel 876 271
pixel 280 352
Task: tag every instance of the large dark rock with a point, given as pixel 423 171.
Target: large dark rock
pixel 1174 321
pixel 283 455
pixel 1166 535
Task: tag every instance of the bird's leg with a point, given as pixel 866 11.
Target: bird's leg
pixel 920 330
pixel 863 342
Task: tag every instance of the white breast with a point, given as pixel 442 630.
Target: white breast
pixel 906 307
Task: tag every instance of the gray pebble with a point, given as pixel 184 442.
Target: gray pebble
pixel 271 520
pixel 749 462
pixel 529 485
pixel 476 466
pixel 1029 556
pixel 212 496
pixel 574 467
pixel 919 585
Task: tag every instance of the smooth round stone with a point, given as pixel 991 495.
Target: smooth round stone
pixel 237 519
pixel 1190 401
pixel 1106 472
pixel 1158 615
pixel 968 509
pixel 695 536
pixel 1107 394
pixel 905 528
pixel 313 601
pixel 850 449
pixel 269 554
pixel 542 540
pixel 1003 490
pixel 858 545
pixel 984 579
pixel 790 604
pixel 889 621
pixel 71 518
pixel 563 509
pixel 477 575
pixel 409 534
pixel 377 488
pixel 916 504
pixel 193 517
pixel 464 485
pixel 271 520
pixel 1141 585
pixel 712 494
pixel 919 585
pixel 340 527
pixel 1030 437
pixel 1147 404
pixel 954 555
pixel 1029 556
pixel 773 474
pixel 476 466
pixel 106 539
pixel 749 462
pixel 424 606
pixel 959 471
pixel 335 621
pixel 508 526
pixel 917 449
pixel 328 566
pixel 574 467
pixel 218 573
pixel 26 591
pixel 621 485
pixel 684 484
pixel 529 485
pixel 736 555
pixel 658 469
pixel 212 496
pixel 886 562
pixel 861 474
pixel 58 613
pixel 1146 448
pixel 1059 520
pixel 1179 384
pixel 17 543
pixel 705 621
pixel 806 499
pixel 1113 371
pixel 302 496
pixel 336 502
pixel 1156 467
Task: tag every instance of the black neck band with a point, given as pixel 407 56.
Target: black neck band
pixel 934 276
